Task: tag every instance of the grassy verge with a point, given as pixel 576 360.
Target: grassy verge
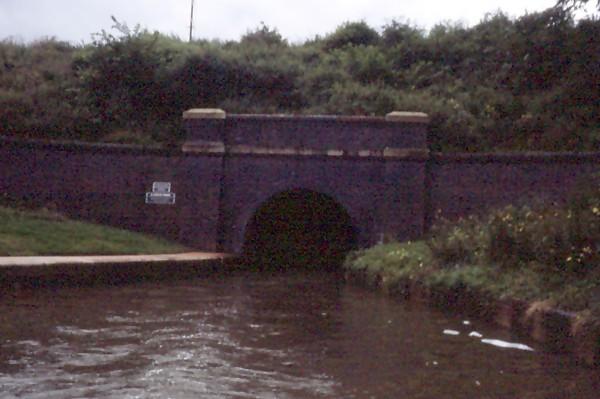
pixel 25 233
pixel 394 263
pixel 541 252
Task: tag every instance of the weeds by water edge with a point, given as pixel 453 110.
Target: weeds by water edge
pixel 393 264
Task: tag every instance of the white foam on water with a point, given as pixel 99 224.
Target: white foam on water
pixel 504 344
pixel 451 332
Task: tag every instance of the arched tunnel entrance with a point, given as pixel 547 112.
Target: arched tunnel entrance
pixel 299 228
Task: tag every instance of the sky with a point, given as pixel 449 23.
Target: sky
pixel 76 20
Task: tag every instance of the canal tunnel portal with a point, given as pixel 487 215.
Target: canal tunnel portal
pixel 232 170
pixel 299 228
pixel 372 168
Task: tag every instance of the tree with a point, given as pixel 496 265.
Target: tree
pixel 571 5
pixel 352 34
pixel 263 35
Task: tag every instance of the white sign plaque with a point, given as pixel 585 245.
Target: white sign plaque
pixel 161 194
pixel 161 187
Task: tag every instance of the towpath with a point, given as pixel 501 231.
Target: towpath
pixel 24 261
pixel 38 271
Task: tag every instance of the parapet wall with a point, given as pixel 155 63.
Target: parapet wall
pixel 379 169
pixel 107 183
pixel 463 184
pixel 213 130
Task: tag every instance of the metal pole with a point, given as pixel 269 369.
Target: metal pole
pixel 191 21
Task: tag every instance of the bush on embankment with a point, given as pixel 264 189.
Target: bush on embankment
pixel 526 83
pixel 42 232
pixel 530 253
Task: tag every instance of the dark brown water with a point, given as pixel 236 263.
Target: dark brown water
pixel 294 335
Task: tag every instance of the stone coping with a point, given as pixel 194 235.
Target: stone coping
pixel 309 118
pixel 248 150
pixel 394 117
pixel 437 157
pixel 204 113
pixel 516 157
pixel 85 146
pixel 407 117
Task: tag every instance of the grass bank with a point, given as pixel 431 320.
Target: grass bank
pixel 532 253
pixel 391 265
pixel 42 232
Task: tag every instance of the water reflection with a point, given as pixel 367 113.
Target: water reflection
pixel 293 335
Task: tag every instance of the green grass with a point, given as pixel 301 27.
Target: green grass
pixel 393 263
pixel 26 233
pixel 538 252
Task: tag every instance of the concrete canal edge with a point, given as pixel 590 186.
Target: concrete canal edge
pixel 556 330
pixel 32 272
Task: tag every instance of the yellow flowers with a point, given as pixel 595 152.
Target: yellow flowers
pixel 400 253
pixel 564 238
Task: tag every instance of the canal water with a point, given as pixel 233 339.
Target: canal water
pixel 264 335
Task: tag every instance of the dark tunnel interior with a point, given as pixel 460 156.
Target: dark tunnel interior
pixel 301 229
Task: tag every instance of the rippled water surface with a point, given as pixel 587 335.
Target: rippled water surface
pixel 293 335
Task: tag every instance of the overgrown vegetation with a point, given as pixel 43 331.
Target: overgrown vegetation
pixel 548 237
pixel 528 83
pixel 543 252
pixel 43 232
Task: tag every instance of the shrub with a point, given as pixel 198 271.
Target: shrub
pixel 352 34
pixel 559 238
pixel 352 98
pixel 366 64
pixel 458 242
pixel 505 84
pixel 263 35
pixel 556 238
